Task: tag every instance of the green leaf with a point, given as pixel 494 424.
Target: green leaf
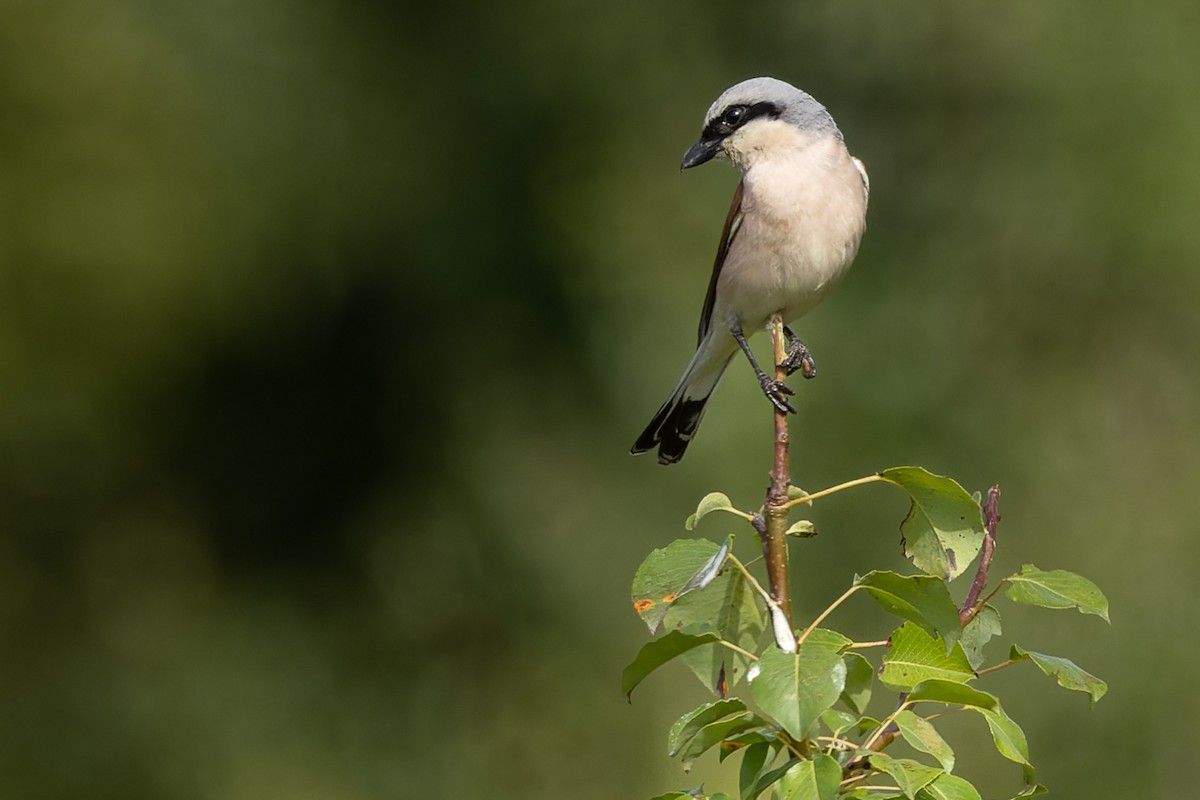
pixel 1033 791
pixel 911 776
pixel 754 758
pixel 951 693
pixel 716 501
pixel 1056 588
pixel 765 733
pixel 795 688
pixel 943 531
pixel 714 733
pixel 949 787
pixel 864 726
pixel 831 640
pixel 719 796
pixel 675 796
pixel 690 723
pixel 860 676
pixel 661 578
pixel 870 794
pixel 765 780
pixel 1009 739
pixel 921 735
pixel 1006 734
pixel 978 632
pixel 803 529
pixel 728 607
pixel 920 598
pixel 817 779
pixel 838 721
pixel 915 656
pixel 1068 674
pixel 659 652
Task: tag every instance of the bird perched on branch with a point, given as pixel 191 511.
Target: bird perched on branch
pixel 791 233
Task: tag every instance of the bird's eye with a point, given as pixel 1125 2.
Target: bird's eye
pixel 733 116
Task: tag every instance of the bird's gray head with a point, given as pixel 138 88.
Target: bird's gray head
pixel 751 103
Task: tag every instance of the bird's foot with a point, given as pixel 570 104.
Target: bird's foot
pixel 777 392
pixel 798 358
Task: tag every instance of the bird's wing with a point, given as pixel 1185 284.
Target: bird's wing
pixel 862 171
pixel 733 223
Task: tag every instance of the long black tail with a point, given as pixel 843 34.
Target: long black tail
pixel 671 429
pixel 675 424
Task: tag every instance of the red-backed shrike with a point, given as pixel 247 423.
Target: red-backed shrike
pixel 792 231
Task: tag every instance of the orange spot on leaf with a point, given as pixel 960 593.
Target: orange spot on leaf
pixel 670 598
pixel 642 605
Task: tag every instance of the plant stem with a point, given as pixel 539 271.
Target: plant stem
pixel 995 667
pixel 751 579
pixel 859 645
pixel 991 518
pixel 737 649
pixel 827 612
pixel 808 498
pixel 776 507
pixel 844 744
pixel 883 726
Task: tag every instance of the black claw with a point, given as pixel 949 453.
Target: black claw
pixel 777 392
pixel 783 405
pixel 798 357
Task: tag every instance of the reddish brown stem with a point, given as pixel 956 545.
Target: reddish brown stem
pixel 775 538
pixel 991 518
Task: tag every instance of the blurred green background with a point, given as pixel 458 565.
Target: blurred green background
pixel 325 328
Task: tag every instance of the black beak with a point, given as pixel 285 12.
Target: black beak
pixel 701 151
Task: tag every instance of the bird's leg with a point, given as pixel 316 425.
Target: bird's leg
pixel 776 391
pixel 798 357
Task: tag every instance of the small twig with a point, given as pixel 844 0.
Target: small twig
pixel 844 744
pixel 862 645
pixel 798 749
pixel 995 667
pixel 992 594
pixel 991 518
pixel 737 649
pixel 887 722
pixel 884 736
pixel 821 617
pixel 750 577
pixel 785 636
pixel 808 498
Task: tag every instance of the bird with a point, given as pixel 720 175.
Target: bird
pixel 792 231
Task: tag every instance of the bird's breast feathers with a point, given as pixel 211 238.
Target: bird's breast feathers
pixel 803 214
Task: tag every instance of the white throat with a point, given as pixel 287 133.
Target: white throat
pixel 769 140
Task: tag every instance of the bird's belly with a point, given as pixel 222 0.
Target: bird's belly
pixel 790 267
